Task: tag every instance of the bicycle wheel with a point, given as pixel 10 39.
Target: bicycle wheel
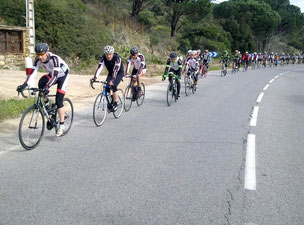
pixel 100 110
pixel 175 91
pixel 169 94
pixel 187 87
pixel 31 128
pixel 128 98
pixel 68 115
pixel 120 106
pixel 140 99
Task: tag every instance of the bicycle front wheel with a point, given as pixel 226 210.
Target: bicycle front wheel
pixel 31 128
pixel 140 99
pixel 169 94
pixel 100 110
pixel 128 98
pixel 120 106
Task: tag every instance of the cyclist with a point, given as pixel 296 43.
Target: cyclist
pixel 174 65
pixel 139 68
pixel 246 58
pixel 58 73
pixel 254 59
pixel 193 65
pixel 199 59
pixel 282 58
pixel 265 57
pixel 293 58
pixel 235 57
pixel 206 59
pixel 239 61
pixel 114 65
pixel 276 59
pixel 271 58
pixel 224 59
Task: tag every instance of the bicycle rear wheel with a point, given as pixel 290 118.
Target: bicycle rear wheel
pixel 128 98
pixel 100 110
pixel 140 99
pixel 31 128
pixel 169 94
pixel 68 115
pixel 120 106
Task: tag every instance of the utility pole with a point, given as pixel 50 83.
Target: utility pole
pixel 30 23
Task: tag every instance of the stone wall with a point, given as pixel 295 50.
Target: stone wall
pixel 11 60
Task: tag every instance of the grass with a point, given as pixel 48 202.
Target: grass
pixel 13 107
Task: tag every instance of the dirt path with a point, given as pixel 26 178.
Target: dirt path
pixel 79 91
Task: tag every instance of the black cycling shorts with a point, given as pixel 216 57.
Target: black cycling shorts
pixel 116 81
pixel 61 87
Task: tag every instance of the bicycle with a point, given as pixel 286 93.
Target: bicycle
pixel 190 82
pixel 172 87
pixel 253 64
pixel 102 103
pixel 32 122
pixel 131 94
pixel 245 68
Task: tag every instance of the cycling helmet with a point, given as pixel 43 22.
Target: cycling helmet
pixel 134 50
pixel 173 55
pixel 41 48
pixel 194 52
pixel 206 51
pixel 255 53
pixel 198 51
pixel 108 49
pixel 246 52
pixel 189 51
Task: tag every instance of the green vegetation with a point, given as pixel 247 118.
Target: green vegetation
pixel 13 107
pixel 78 30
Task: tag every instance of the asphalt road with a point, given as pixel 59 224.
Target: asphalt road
pixel 190 163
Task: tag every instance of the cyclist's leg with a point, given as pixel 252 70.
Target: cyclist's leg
pixel 114 87
pixel 178 85
pixel 42 83
pixel 61 90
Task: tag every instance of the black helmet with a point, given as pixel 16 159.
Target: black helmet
pixel 134 50
pixel 41 48
pixel 173 55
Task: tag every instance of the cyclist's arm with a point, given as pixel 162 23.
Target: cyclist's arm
pixel 99 68
pixel 33 71
pixel 180 66
pixel 116 68
pixel 167 67
pixel 142 63
pixel 128 65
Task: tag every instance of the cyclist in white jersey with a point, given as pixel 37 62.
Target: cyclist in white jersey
pixel 139 67
pixel 58 72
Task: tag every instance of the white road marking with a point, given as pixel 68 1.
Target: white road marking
pixel 250 172
pixel 271 81
pixel 266 87
pixel 282 74
pixel 2 153
pixel 260 97
pixel 276 76
pixel 254 116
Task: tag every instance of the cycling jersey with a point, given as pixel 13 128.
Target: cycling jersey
pixel 114 67
pixel 192 64
pixel 176 66
pixel 246 57
pixel 54 65
pixel 138 63
pixel 206 58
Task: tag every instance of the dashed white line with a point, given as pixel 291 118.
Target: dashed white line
pixel 271 81
pixel 254 116
pixel 266 87
pixel 276 76
pixel 250 171
pixel 260 97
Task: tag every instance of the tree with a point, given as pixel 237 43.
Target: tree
pixel 139 5
pixel 180 8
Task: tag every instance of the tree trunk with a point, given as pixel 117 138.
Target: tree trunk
pixel 174 21
pixel 136 7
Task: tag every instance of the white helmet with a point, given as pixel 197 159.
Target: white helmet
pixel 189 51
pixel 198 51
pixel 108 49
pixel 194 52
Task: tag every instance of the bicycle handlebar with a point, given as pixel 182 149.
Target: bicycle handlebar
pixel 29 89
pixel 96 81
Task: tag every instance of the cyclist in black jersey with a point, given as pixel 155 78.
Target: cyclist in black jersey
pixel 114 65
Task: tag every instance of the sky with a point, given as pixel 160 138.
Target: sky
pixel 299 3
